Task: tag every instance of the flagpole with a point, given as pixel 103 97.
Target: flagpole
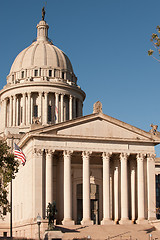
pixel 11 209
pixel 11 199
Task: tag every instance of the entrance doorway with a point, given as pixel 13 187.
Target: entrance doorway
pixel 94 211
pixel 94 203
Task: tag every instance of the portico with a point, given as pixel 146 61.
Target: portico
pixel 105 178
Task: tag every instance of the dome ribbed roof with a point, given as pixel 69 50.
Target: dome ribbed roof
pixel 41 53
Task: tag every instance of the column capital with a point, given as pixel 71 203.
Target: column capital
pixel 140 156
pixel 124 156
pixel 38 151
pixel 151 157
pixel 71 97
pixel 67 153
pixel 106 155
pixel 86 154
pixel 49 151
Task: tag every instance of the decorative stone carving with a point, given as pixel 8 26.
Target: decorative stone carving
pixel 154 129
pixel 38 151
pixel 97 107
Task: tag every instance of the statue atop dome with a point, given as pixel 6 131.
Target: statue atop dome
pixel 43 13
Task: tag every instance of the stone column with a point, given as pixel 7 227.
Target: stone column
pixel 45 108
pixel 106 189
pixel 5 112
pixel 151 186
pixel 49 177
pixel 37 186
pixel 17 111
pixel 124 189
pixel 32 109
pixel 70 107
pixel 29 108
pixel 67 189
pixel 40 107
pixel 24 109
pixel 14 110
pixel 11 111
pixel 133 193
pixel 140 190
pixel 62 103
pixel 56 107
pixel 74 107
pixel 116 194
pixel 86 190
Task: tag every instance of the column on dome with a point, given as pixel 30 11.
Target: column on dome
pixel 86 189
pixel 133 191
pixel 49 177
pixel 17 111
pixel 45 107
pixel 124 189
pixel 79 108
pixel 56 107
pixel 11 111
pixel 106 188
pixel 5 112
pixel 70 107
pixel 151 186
pixel 24 109
pixel 40 107
pixel 29 108
pixel 62 106
pixel 140 190
pixel 14 110
pixel 116 194
pixel 67 189
pixel 74 107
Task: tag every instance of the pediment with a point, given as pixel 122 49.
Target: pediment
pixel 97 126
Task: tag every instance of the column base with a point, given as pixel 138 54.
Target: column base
pixel 125 221
pixel 87 222
pixel 68 222
pixel 115 221
pixel 142 221
pixel 107 222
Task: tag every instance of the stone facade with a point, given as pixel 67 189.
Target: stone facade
pixel 98 169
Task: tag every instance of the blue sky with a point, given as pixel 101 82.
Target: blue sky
pixel 107 42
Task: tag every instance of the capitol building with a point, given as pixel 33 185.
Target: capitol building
pixel 98 170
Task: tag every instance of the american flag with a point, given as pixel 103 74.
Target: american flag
pixel 19 154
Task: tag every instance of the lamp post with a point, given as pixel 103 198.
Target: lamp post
pixel 39 223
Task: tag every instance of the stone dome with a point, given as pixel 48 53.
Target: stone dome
pixel 41 57
pixel 41 54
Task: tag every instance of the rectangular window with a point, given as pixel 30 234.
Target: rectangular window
pixel 12 78
pixel 50 73
pixel 36 73
pixel 35 111
pixel 22 74
pixel 62 75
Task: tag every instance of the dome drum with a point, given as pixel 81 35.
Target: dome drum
pixel 41 74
